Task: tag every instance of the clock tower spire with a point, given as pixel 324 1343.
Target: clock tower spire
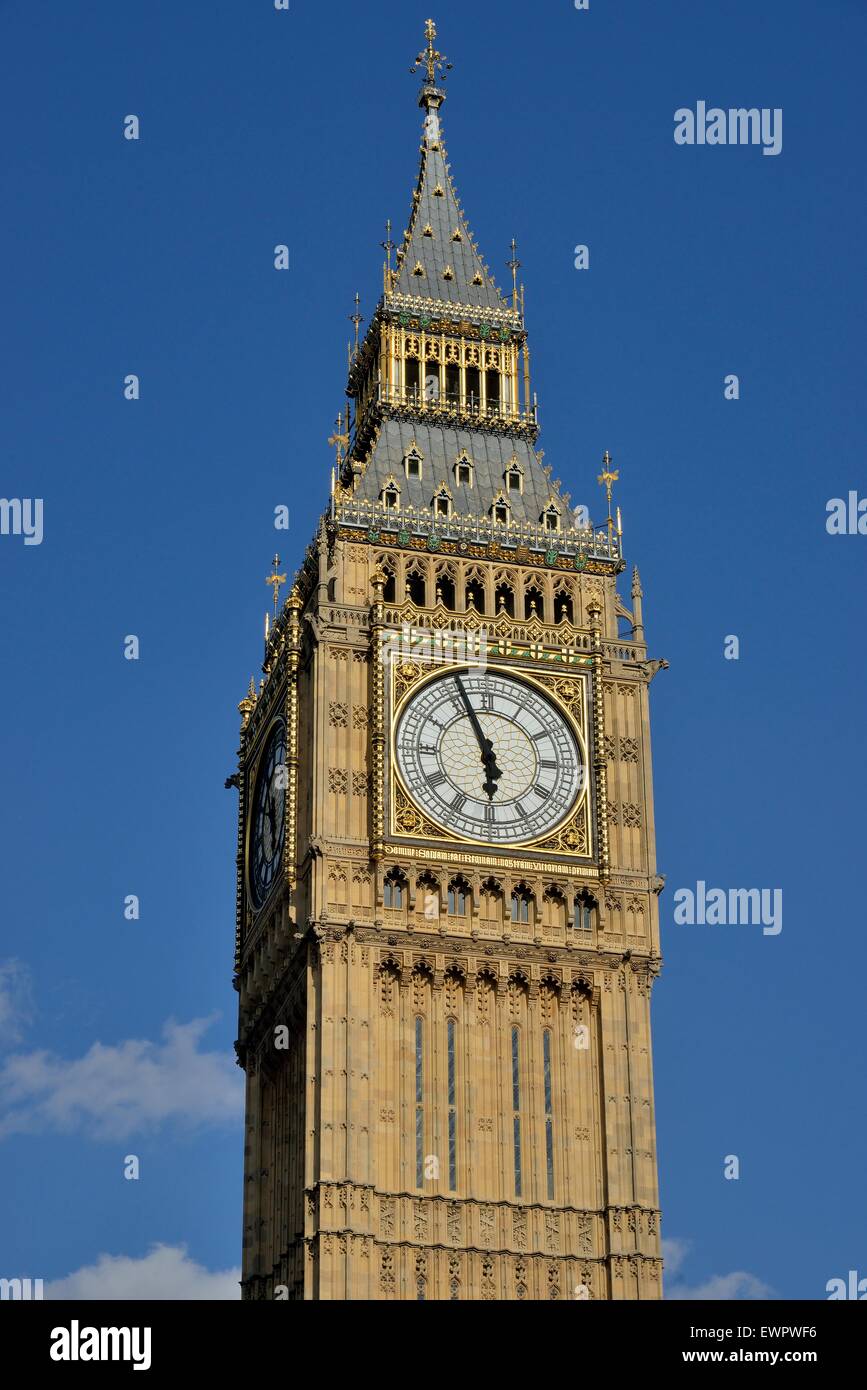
pixel 447 923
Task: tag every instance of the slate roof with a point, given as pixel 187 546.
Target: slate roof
pixel 440 447
pixel 443 214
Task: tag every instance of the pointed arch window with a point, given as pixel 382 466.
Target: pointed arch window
pixel 501 510
pixel 551 518
pixel 419 1101
pixel 534 603
pixel 464 471
pixel 549 1113
pixel 394 890
pixel 505 596
pixel 442 502
pixel 451 1029
pixel 585 909
pixel 412 464
pixel 416 588
pixel 458 897
pixel 516 1109
pixel 390 497
pixel 521 900
pixel 514 477
pixel 564 609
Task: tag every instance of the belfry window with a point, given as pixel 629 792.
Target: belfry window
pixel 551 519
pixel 416 588
pixel 534 603
pixel 514 480
pixel 453 384
pixel 412 463
pixel 464 473
pixel 412 378
pixel 505 596
pixel 390 498
pixel 475 593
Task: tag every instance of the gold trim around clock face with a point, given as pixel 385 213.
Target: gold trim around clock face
pixel 253 786
pixel 571 834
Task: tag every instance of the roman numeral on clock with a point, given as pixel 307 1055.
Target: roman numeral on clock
pixel 436 779
pixel 459 802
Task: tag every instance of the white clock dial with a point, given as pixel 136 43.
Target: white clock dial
pixel 488 757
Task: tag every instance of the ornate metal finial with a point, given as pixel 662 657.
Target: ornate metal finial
pixel 430 58
pixel 276 580
pixel 388 246
pixel 607 478
pixel 514 265
pixel 340 439
pixel 356 318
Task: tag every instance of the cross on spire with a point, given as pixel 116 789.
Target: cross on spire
pixel 430 58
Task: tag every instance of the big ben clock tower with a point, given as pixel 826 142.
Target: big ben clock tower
pixel 447 922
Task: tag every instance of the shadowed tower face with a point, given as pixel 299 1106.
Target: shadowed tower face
pixel 447 925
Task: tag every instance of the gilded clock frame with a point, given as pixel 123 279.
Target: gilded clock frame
pixel 405 681
pixel 263 742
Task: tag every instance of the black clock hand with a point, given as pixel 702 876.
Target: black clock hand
pixel 489 757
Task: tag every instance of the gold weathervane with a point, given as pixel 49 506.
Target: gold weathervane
pixel 276 580
pixel 607 478
pixel 430 58
pixel 340 439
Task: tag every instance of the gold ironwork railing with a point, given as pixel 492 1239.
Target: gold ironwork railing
pixel 592 542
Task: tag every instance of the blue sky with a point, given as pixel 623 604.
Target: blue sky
pixel 156 257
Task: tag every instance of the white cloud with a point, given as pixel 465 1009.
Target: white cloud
pixel 113 1092
pixel 726 1287
pixel 166 1272
pixel 674 1252
pixel 16 1002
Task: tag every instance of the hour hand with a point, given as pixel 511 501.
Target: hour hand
pixel 492 772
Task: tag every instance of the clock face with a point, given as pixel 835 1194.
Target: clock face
pixel 489 757
pixel 269 816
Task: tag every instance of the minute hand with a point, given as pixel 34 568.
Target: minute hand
pixel 486 747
